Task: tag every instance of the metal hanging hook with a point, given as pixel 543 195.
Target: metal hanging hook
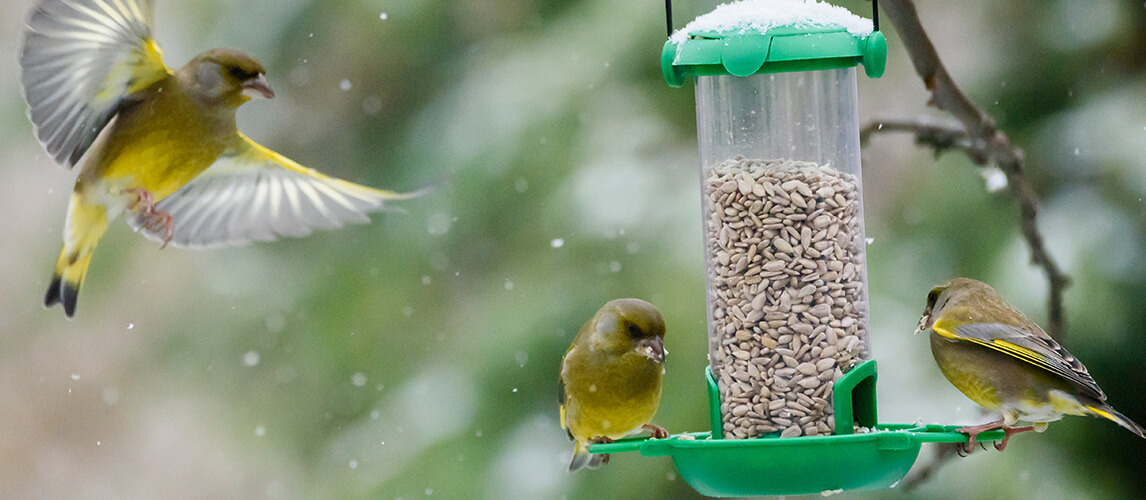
pixel 668 16
pixel 874 14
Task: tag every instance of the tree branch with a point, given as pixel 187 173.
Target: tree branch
pixel 938 136
pixel 978 138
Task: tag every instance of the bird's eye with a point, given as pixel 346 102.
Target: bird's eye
pixel 240 73
pixel 932 297
pixel 634 330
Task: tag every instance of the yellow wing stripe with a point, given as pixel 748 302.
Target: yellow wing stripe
pixel 255 152
pixel 1100 412
pixel 946 329
pixel 140 70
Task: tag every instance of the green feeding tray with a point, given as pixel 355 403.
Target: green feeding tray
pixel 876 456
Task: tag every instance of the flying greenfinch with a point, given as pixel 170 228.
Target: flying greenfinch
pixel 611 378
pixel 161 144
pixel 1005 363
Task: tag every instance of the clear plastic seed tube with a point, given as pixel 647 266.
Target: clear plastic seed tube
pixel 784 242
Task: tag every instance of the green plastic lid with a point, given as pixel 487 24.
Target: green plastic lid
pixel 745 51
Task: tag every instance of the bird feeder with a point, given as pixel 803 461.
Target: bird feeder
pixel 791 378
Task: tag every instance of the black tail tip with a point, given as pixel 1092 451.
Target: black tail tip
pixel 65 293
pixel 53 295
pixel 69 294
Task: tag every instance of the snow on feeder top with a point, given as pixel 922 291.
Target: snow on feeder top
pixel 772 36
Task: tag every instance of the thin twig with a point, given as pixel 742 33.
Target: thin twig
pixel 938 136
pixel 981 141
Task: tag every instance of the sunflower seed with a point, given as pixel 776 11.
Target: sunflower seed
pixel 788 305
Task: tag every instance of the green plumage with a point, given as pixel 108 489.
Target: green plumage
pixel 611 376
pixel 1005 362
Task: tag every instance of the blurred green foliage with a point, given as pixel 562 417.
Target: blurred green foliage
pixel 418 355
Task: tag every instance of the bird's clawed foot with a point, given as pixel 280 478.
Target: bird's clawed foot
pixel 658 431
pixel 153 220
pixel 973 432
pixel 602 440
pixel 1008 432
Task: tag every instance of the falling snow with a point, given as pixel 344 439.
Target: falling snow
pixel 993 178
pixel 251 358
pixel 358 379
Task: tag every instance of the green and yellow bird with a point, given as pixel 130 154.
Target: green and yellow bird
pixel 1005 363
pixel 611 378
pixel 161 144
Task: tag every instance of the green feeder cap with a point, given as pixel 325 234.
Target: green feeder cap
pixel 719 43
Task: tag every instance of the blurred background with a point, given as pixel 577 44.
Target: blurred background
pixel 417 356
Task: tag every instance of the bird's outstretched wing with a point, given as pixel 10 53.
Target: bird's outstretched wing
pixel 1039 350
pixel 81 61
pixel 254 194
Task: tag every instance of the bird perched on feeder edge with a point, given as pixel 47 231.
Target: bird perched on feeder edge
pixel 610 383
pixel 1004 362
pixel 162 144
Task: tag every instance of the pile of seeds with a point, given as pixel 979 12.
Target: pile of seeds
pixel 786 291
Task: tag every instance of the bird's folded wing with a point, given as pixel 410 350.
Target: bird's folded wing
pixel 1039 350
pixel 254 194
pixel 81 61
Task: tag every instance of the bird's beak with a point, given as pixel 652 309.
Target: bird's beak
pixel 258 87
pixel 653 347
pixel 925 322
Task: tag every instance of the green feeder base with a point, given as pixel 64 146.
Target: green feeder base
pixel 877 456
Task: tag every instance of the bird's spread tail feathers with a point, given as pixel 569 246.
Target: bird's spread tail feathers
pixel 583 459
pixel 66 281
pixel 1105 411
pixel 85 226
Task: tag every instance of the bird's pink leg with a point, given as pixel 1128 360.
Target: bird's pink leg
pixel 1010 431
pixel 600 440
pixel 973 433
pixel 658 431
pixel 153 219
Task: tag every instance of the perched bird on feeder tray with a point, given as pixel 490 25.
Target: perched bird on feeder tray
pixel 611 378
pixel 1004 362
pixel 161 144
